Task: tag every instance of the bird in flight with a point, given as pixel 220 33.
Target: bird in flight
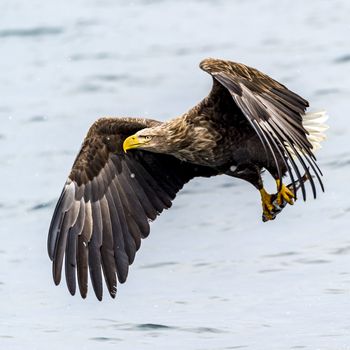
pixel 129 170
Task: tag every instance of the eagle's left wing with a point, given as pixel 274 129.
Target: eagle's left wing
pixel 274 112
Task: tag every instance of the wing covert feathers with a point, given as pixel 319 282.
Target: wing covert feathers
pixel 106 205
pixel 276 114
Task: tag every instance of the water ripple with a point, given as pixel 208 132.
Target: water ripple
pixel 151 327
pixel 157 265
pixel 313 261
pixel 330 91
pixel 145 327
pixel 335 291
pixel 112 77
pixel 339 163
pixel 105 339
pixel 341 251
pixel 269 270
pixel 96 56
pixel 42 205
pixel 342 59
pixel 37 119
pixel 30 32
pixel 279 255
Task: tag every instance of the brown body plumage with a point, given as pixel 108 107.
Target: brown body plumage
pixel 247 123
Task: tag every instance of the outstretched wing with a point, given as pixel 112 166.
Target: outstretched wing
pixel 106 205
pixel 274 112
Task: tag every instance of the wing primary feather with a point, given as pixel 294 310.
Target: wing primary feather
pixel 135 192
pixel 135 203
pixel 134 182
pixel 290 158
pixel 169 183
pixel 286 138
pixel 287 103
pixel 141 177
pixel 94 250
pixel 296 169
pixel 259 121
pixel 121 258
pixel 159 192
pixel 299 139
pixel 71 249
pixel 64 203
pixel 126 217
pixel 264 135
pixel 315 171
pixel 301 145
pixel 82 266
pixel 317 167
pixel 67 222
pixel 252 122
pixel 129 243
pixel 83 251
pixel 293 117
pixel 259 133
pixel 135 195
pixel 283 157
pixel 306 169
pixel 107 252
pixel 127 222
pixel 70 262
pixel 281 138
pixel 136 235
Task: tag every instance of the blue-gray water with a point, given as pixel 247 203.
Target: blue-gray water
pixel 211 276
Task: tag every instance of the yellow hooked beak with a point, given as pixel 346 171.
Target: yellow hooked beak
pixel 131 142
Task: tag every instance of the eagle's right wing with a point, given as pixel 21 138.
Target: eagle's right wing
pixel 107 202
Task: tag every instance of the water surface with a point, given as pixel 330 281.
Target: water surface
pixel 211 275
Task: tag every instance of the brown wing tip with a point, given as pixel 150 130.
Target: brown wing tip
pixel 208 64
pixel 215 65
pixel 71 290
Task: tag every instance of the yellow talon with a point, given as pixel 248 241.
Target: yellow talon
pixel 267 206
pixel 284 194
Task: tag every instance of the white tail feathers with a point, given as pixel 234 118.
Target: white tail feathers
pixel 314 124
